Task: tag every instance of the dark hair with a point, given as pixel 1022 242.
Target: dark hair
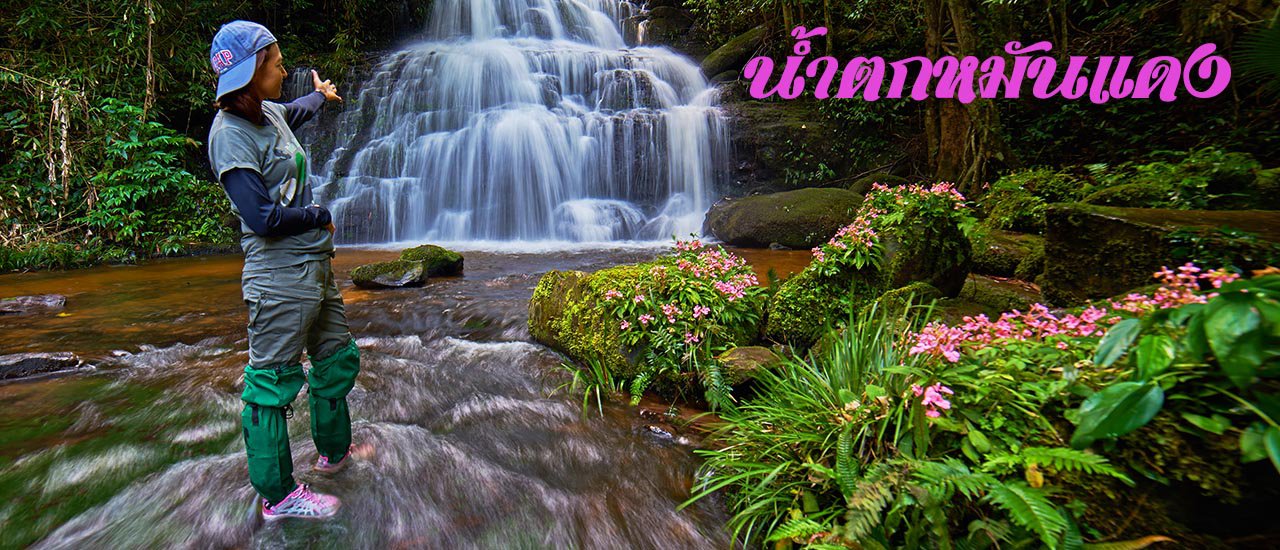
pixel 242 102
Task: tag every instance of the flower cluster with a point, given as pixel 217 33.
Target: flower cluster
pixel 933 399
pixel 1182 287
pixel 901 194
pixel 1038 324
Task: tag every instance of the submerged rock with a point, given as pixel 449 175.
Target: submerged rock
pixel 20 365
pixel 796 219
pixel 394 274
pixel 27 305
pixel 438 261
pixel 1099 251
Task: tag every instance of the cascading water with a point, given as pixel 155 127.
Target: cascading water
pixel 527 120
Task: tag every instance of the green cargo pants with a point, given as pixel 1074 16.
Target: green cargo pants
pixel 291 309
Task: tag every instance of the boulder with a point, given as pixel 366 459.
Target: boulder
pixel 1099 251
pixel 998 295
pixel 568 313
pixel 863 184
pixel 802 218
pixel 393 274
pixel 917 293
pixel 935 251
pixel 1000 253
pixel 807 304
pixel 28 305
pixel 734 54
pixel 20 365
pixel 438 261
pixel 781 145
pixel 1136 195
pixel 1266 187
pixel 741 364
pixel 673 27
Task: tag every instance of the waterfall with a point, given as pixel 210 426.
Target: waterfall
pixel 526 120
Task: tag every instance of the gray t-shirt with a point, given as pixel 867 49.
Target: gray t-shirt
pixel 270 150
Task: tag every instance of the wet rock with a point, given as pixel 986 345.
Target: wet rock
pixel 781 145
pixel 671 26
pixel 1002 253
pixel 398 273
pixel 734 54
pixel 741 364
pixel 439 261
pixel 20 365
pixel 796 219
pixel 567 313
pixel 1099 251
pixel 30 305
pixel 897 299
pixel 1137 195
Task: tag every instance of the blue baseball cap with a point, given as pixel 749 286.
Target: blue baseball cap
pixel 234 50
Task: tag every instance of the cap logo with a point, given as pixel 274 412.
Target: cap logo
pixel 222 61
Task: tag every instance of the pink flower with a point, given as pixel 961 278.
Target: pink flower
pixel 639 298
pixel 690 338
pixel 644 319
pixel 624 325
pixel 611 294
pixel 700 311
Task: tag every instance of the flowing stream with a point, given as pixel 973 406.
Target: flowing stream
pixel 471 446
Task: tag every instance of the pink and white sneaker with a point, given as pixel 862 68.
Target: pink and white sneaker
pixel 302 503
pixel 325 467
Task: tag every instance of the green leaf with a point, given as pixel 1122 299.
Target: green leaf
pixel 980 441
pixel 1271 440
pixel 873 391
pixel 1233 336
pixel 1154 354
pixel 1116 341
pixel 1251 446
pixel 1115 411
pixel 1215 425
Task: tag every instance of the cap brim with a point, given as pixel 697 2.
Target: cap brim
pixel 238 76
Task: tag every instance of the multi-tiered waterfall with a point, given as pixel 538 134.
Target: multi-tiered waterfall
pixel 527 120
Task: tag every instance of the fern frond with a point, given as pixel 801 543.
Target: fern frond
pixel 799 527
pixel 639 384
pixel 864 507
pixel 846 466
pixel 1030 509
pixel 1068 459
pixel 943 479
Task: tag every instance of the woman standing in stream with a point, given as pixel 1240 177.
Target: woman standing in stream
pixel 287 282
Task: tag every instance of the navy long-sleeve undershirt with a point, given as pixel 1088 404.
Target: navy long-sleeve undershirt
pixel 249 193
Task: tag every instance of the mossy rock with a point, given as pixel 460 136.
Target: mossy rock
pixel 439 261
pixel 802 218
pixel 1137 195
pixel 1017 201
pixel 999 296
pixel 862 185
pixel 1032 265
pixel 393 274
pixel 898 299
pixel 734 54
pixel 1000 253
pixel 1266 187
pixel 805 305
pixel 1099 251
pixel 741 364
pixel 933 251
pixel 568 313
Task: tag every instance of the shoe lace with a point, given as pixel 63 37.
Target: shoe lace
pixel 309 496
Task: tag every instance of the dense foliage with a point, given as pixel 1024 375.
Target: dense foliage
pixel 103 107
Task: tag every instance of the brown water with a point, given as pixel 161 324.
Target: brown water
pixel 472 445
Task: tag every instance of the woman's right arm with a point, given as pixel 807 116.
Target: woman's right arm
pixel 263 215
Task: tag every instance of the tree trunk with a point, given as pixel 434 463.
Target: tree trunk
pixel 149 97
pixel 977 125
pixel 826 21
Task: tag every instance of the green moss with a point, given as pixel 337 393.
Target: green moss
pixel 998 296
pixel 395 273
pixel 806 304
pixel 1266 187
pixel 1142 195
pixel 1032 265
pixel 1018 200
pixel 438 261
pixel 917 293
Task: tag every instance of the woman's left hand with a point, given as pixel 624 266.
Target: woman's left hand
pixel 325 87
